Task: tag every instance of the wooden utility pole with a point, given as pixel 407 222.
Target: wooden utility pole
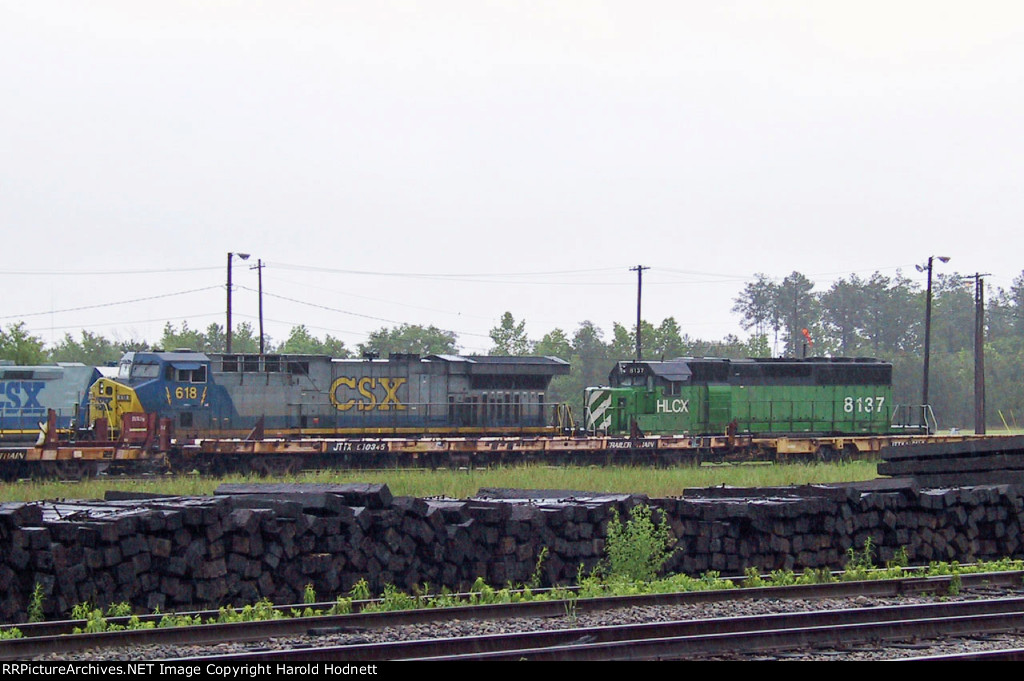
pixel 259 271
pixel 639 269
pixel 979 354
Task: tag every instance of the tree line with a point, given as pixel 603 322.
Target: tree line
pixel 880 316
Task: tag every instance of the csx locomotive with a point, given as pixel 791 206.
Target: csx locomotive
pixel 762 397
pixel 230 395
pixel 27 392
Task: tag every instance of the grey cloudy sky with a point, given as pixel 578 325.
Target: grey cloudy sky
pixel 443 162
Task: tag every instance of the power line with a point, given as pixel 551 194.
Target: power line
pixel 62 273
pixel 185 318
pixel 354 314
pixel 376 300
pixel 436 275
pixel 101 305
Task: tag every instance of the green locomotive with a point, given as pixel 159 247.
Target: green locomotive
pixel 761 397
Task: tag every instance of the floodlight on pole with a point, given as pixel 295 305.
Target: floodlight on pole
pixel 928 325
pixel 227 330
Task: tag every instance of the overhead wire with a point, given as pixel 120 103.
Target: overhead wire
pixel 348 312
pixel 487 278
pixel 112 304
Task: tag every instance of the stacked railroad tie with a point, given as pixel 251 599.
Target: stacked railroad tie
pixel 997 460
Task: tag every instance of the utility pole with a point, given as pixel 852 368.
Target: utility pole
pixel 639 269
pixel 927 331
pixel 227 329
pixel 979 353
pixel 259 277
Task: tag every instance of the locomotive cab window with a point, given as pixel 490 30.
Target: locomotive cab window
pixel 146 371
pixel 192 375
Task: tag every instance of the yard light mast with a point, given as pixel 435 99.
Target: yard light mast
pixel 227 330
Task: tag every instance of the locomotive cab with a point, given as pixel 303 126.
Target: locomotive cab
pixel 171 384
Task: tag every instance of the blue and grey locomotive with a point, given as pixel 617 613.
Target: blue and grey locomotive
pixel 222 395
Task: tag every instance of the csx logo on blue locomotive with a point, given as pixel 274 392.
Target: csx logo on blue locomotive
pixel 22 395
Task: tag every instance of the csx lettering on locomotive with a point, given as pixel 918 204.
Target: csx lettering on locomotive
pixel 369 397
pixel 21 395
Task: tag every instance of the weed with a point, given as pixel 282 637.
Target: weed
pixel 35 604
pixel 638 549
pixel 900 559
pixel 782 578
pixel 536 576
pixel 860 563
pixel 955 584
pixel 342 606
pixel 752 579
pixel 570 609
pixel 360 591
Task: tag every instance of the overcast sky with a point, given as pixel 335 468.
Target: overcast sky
pixel 442 162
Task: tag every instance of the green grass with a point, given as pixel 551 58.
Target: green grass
pixel 655 482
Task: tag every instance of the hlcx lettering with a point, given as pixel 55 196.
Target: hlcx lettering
pixel 22 395
pixel 369 396
pixel 672 407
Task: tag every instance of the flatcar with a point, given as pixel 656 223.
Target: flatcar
pixel 28 392
pixel 758 397
pixel 231 395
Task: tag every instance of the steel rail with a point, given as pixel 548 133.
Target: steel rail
pixel 671 640
pixel 888 587
pixel 1003 655
pixel 35 645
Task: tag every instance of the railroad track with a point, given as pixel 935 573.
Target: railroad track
pixel 51 638
pixel 732 638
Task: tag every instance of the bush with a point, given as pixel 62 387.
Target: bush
pixel 637 550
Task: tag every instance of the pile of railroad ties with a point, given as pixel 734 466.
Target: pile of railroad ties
pixel 979 461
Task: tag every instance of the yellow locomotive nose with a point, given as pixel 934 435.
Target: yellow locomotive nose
pixel 111 400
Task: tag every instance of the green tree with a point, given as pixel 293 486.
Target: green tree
pixel 132 345
pixel 757 304
pixel 668 340
pixel 411 338
pixel 952 314
pixel 244 339
pixel 1005 311
pixel 510 338
pixel 797 310
pixel 591 355
pixel 663 342
pixel 842 308
pixel 93 349
pixel 623 344
pixel 185 339
pixel 21 347
pixel 554 344
pixel 302 342
pixel 563 389
pixel 893 315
